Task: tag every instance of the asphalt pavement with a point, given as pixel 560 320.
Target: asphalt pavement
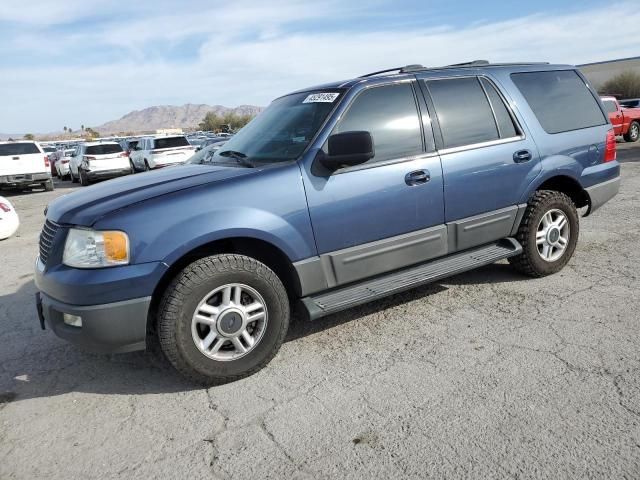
pixel 488 374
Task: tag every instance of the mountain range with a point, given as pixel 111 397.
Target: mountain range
pixel 169 116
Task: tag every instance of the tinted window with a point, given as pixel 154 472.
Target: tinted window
pixel 560 100
pixel 506 127
pixel 610 106
pixel 171 142
pixel 389 113
pixel 18 149
pixel 103 149
pixel 49 149
pixel 463 112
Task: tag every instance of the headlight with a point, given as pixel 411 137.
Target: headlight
pixel 92 249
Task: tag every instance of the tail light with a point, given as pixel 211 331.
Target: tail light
pixel 124 154
pixel 4 207
pixel 46 162
pixel 87 158
pixel 65 161
pixel 610 147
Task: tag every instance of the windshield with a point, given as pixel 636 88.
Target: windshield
pixel 283 131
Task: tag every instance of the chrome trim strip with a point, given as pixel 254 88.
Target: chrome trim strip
pixel 474 146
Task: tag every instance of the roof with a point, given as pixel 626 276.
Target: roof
pixel 459 68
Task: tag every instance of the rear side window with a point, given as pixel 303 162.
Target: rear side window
pixel 171 142
pixel 506 127
pixel 463 112
pixel 560 100
pixel 103 149
pixel 390 114
pixel 18 149
pixel 610 106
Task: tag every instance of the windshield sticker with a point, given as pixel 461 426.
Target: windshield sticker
pixel 321 98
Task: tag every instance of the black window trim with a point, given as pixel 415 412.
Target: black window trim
pixel 586 84
pixel 424 84
pixel 424 154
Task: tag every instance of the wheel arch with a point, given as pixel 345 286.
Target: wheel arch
pixel 261 250
pixel 566 184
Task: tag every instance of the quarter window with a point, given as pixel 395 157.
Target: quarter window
pixel 560 100
pixel 390 114
pixel 463 111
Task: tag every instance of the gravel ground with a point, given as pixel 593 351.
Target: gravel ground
pixel 485 375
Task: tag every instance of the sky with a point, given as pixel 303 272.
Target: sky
pixel 85 62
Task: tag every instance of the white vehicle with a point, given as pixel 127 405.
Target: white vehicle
pixel 62 164
pixel 156 152
pixel 9 221
pixel 98 160
pixel 24 164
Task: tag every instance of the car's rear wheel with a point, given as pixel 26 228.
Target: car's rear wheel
pixel 548 234
pixel 634 132
pixel 222 318
pixel 74 179
pixel 146 166
pixel 48 186
pixel 132 166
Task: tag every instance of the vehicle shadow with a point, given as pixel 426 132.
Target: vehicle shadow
pixel 36 363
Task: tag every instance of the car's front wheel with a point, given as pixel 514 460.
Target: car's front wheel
pixel 634 132
pixel 548 234
pixel 222 318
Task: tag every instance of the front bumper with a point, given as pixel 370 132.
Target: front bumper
pixel 601 193
pixel 109 328
pixel 24 179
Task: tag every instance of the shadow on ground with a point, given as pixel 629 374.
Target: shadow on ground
pixel 38 364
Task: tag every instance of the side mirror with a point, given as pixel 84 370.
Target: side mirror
pixel 348 149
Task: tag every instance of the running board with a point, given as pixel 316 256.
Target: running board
pixel 350 296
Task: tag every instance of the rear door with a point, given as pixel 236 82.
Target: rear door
pixel 107 156
pixel 19 158
pixel 487 160
pixel 387 213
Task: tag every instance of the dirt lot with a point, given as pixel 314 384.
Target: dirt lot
pixel 486 375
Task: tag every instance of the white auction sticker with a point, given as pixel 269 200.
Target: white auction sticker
pixel 321 97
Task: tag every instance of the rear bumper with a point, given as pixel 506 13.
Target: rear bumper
pixel 24 179
pixel 100 174
pixel 109 328
pixel 601 193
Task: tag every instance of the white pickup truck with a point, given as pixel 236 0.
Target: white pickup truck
pixel 24 164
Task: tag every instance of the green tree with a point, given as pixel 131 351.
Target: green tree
pixel 65 129
pixel 216 123
pixel 28 136
pixel 82 127
pixel 624 85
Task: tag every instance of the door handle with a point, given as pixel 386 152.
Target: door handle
pixel 522 156
pixel 417 177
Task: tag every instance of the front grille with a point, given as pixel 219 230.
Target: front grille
pixel 46 239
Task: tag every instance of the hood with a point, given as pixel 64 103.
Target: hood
pixel 85 206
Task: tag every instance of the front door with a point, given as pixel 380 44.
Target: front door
pixel 375 217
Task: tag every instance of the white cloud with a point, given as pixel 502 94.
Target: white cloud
pixel 247 56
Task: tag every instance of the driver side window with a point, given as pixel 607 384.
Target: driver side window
pixel 390 114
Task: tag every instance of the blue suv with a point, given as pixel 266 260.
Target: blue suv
pixel 332 197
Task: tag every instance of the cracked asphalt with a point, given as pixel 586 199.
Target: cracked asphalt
pixel 487 375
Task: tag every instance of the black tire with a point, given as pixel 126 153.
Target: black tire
pixel 146 166
pixel 84 180
pixel 181 299
pixel 133 167
pixel 48 186
pixel 530 262
pixel 634 132
pixel 74 179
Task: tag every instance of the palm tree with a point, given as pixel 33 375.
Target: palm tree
pixel 82 127
pixel 65 129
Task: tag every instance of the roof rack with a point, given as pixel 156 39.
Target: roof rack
pixel 471 64
pixel 406 68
